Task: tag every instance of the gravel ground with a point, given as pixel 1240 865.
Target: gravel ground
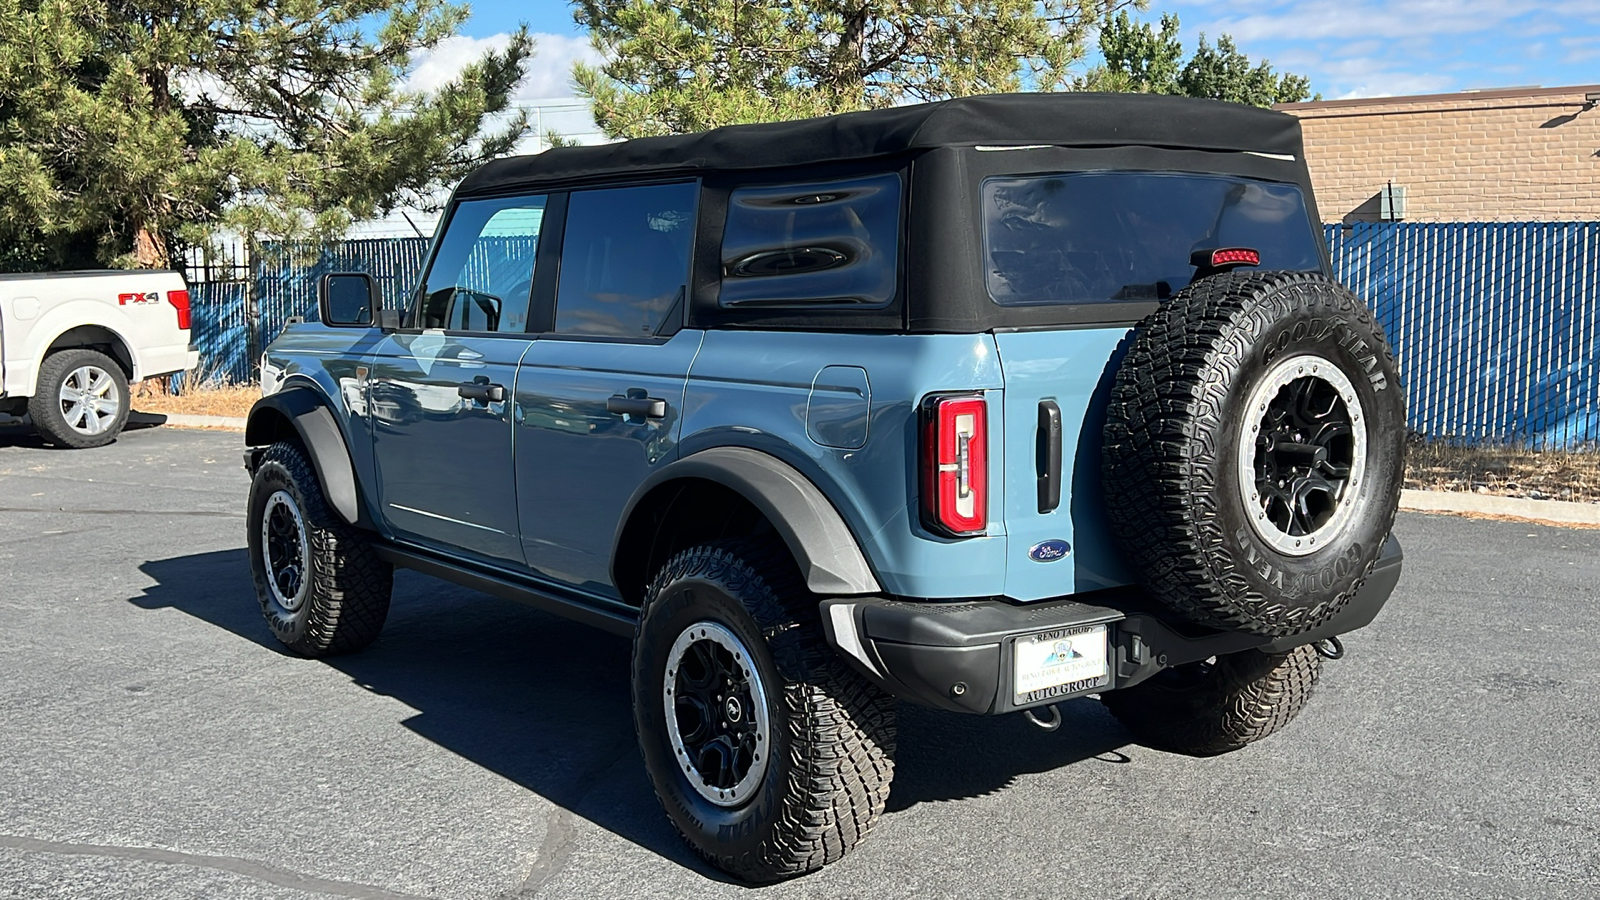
pixel 158 744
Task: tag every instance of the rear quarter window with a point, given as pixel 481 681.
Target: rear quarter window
pixel 833 243
pixel 1094 237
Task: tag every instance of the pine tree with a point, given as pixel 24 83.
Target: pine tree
pixel 688 65
pixel 1142 59
pixel 131 127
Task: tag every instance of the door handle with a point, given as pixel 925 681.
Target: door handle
pixel 482 391
pixel 1049 455
pixel 649 407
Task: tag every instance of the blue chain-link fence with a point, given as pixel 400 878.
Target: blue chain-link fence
pixel 1496 326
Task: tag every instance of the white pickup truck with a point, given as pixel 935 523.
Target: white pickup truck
pixel 71 342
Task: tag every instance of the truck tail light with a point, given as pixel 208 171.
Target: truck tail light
pixel 955 464
pixel 180 302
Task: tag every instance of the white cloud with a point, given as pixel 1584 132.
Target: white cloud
pixel 546 90
pixel 1300 20
pixel 549 72
pixel 1367 48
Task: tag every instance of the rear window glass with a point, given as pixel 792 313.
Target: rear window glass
pixel 1095 237
pixel 821 243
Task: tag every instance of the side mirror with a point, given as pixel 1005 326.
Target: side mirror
pixel 347 300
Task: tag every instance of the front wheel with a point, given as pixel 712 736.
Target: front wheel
pixel 321 587
pixel 771 757
pixel 1218 705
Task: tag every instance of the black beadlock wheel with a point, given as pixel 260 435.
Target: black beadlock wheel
pixel 1254 450
pixel 81 399
pixel 770 756
pixel 1218 705
pixel 321 588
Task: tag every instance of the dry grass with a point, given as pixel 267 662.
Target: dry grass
pixel 207 400
pixel 1504 471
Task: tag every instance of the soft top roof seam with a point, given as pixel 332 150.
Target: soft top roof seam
pixel 1067 120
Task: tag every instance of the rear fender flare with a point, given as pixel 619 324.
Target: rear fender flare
pixel 822 545
pixel 307 411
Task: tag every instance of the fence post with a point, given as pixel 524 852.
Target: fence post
pixel 252 308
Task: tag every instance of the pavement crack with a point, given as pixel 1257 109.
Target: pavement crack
pixel 558 830
pixel 236 865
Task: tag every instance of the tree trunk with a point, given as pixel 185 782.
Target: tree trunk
pixel 150 249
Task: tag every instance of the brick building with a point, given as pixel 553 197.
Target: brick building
pixel 1518 154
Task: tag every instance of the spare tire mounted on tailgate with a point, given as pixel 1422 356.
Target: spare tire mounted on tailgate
pixel 1254 450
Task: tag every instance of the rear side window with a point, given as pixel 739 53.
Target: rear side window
pixel 482 275
pixel 821 243
pixel 625 259
pixel 1094 237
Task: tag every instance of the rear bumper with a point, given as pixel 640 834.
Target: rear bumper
pixel 959 656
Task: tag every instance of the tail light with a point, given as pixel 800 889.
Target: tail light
pixel 955 465
pixel 180 302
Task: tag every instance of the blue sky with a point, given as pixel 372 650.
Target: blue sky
pixel 1349 48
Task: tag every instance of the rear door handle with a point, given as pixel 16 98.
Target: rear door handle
pixel 649 407
pixel 482 391
pixel 1049 455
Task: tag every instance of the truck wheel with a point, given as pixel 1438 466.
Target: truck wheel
pixel 81 400
pixel 1254 450
pixel 1212 707
pixel 771 757
pixel 321 587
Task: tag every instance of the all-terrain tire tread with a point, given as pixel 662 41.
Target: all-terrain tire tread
pixel 1245 697
pixel 841 728
pixel 1163 428
pixel 350 591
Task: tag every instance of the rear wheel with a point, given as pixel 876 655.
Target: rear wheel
pixel 322 589
pixel 1220 704
pixel 770 756
pixel 81 400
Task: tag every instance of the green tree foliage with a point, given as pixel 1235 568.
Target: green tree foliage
pixel 131 127
pixel 688 65
pixel 1145 60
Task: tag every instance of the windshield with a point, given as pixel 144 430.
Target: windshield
pixel 1095 237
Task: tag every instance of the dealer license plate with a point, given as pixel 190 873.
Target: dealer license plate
pixel 1057 663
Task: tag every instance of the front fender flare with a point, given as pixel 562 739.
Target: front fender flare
pixel 823 547
pixel 313 421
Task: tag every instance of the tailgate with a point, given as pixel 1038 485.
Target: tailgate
pixel 1070 371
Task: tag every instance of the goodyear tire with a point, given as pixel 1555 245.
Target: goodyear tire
pixel 321 588
pixel 1219 705
pixel 771 757
pixel 1254 450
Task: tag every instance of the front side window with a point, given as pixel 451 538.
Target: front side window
pixel 625 259
pixel 1097 237
pixel 799 245
pixel 482 275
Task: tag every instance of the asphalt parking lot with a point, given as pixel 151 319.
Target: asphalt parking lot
pixel 156 743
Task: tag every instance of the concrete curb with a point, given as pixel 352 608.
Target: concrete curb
pixel 1460 502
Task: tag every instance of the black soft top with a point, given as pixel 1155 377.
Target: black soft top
pixel 1056 119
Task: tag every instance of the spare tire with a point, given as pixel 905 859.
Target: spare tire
pixel 1254 450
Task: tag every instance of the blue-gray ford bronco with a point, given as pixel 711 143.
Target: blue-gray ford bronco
pixel 981 405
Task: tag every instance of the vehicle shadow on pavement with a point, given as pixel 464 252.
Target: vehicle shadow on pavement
pixel 17 432
pixel 545 702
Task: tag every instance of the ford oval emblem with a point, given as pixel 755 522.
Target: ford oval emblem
pixel 1049 551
